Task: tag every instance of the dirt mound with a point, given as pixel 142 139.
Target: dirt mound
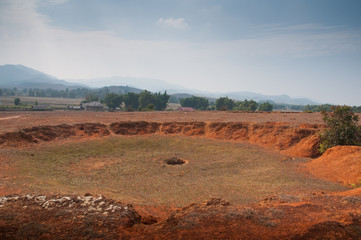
pixel 332 231
pixel 292 139
pixel 184 128
pixel 310 218
pixel 339 164
pixel 96 217
pixel 49 133
pixel 64 217
pixel 134 128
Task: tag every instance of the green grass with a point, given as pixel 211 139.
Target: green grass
pixel 133 169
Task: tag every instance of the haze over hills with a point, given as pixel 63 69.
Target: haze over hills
pixel 21 77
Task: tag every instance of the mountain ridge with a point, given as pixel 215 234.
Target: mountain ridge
pixel 21 77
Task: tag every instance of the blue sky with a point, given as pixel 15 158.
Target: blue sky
pixel 303 48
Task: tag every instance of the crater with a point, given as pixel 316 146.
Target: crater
pixel 175 161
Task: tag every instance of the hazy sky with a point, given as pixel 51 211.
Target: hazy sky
pixel 303 48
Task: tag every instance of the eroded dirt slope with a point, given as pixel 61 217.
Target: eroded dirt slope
pixel 96 217
pixel 340 164
pixel 292 139
pixel 315 216
pixel 13 121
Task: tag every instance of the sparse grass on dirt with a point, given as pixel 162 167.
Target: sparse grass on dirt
pixel 132 168
pixel 54 102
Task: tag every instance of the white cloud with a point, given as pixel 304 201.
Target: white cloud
pixel 178 23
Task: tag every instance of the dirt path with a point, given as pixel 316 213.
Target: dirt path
pixel 7 118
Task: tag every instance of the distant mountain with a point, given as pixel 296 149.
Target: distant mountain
pixel 274 98
pixel 178 92
pixel 153 85
pixel 240 96
pixel 20 76
pixel 120 89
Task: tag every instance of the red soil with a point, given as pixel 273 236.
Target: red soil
pixel 291 139
pixel 316 216
pixel 13 121
pixel 339 164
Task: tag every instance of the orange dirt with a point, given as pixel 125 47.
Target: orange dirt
pixel 96 217
pixel 339 164
pixel 13 121
pixel 314 216
pixel 291 139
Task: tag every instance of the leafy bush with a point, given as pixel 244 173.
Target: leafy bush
pixel 199 103
pixel 224 104
pixel 17 101
pixel 341 128
pixel 266 106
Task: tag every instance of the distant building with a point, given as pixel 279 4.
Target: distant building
pixel 93 106
pixel 186 109
pixel 75 107
pixel 41 108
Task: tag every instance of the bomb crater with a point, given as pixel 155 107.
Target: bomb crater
pixel 174 161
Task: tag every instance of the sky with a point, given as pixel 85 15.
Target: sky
pixel 302 48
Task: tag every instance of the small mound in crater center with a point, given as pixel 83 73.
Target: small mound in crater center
pixel 174 161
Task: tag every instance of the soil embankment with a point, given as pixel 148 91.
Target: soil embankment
pixel 96 217
pixel 291 139
pixel 312 216
pixel 340 164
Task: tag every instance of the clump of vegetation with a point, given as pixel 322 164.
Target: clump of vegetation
pixel 266 106
pixel 17 101
pixel 356 184
pixel 224 104
pixel 199 103
pixel 341 128
pixel 246 105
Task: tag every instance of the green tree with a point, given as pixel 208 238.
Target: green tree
pixel 246 105
pixel 341 128
pixel 150 107
pixel 131 101
pixel 113 100
pixel 1 92
pixel 145 98
pixel 17 101
pixel 90 98
pixel 266 106
pixel 199 103
pixel 160 101
pixel 224 104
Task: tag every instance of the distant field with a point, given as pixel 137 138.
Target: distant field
pixel 54 102
pixel 134 168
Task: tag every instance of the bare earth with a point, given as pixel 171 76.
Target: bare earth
pixel 69 153
pixel 12 121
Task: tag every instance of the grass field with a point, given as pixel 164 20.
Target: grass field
pixel 53 102
pixel 133 169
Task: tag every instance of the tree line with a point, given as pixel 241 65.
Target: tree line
pixel 66 93
pixel 224 104
pixel 144 101
pixel 131 97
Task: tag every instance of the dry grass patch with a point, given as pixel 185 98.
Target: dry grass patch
pixel 133 169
